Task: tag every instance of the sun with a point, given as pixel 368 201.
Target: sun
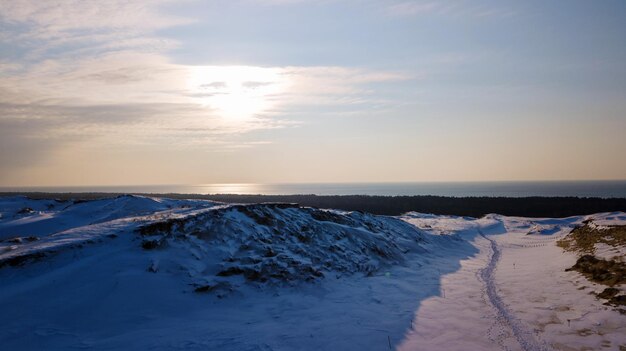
pixel 237 92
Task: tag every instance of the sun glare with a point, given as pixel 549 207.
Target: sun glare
pixel 237 92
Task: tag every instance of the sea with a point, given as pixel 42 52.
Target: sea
pixel 603 189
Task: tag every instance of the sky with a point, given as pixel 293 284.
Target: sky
pixel 128 92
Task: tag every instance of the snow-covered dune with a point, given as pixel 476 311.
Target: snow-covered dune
pixel 146 273
pixel 282 243
pixel 22 216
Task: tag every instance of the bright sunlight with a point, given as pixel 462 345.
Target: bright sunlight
pixel 237 92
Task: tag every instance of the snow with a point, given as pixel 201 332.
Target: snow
pixel 285 277
pixel 53 216
pixel 525 302
pixel 609 252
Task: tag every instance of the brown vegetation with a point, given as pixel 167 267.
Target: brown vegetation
pixel 584 238
pixel 607 272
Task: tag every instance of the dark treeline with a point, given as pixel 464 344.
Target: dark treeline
pixel 395 205
pixel 464 206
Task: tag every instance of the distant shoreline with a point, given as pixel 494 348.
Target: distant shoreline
pixel 582 188
pixel 394 205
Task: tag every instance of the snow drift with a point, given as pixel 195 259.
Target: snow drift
pixel 282 243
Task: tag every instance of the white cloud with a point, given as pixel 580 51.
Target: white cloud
pixel 80 27
pixel 92 74
pixel 57 17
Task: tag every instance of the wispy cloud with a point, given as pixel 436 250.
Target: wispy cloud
pixel 94 73
pixel 75 27
pixel 410 8
pixel 452 8
pixel 85 19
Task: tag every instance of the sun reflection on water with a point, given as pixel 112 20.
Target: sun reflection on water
pixel 231 188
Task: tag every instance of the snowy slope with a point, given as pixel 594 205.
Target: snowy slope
pixel 31 228
pixel 515 293
pixel 146 273
pixel 282 243
pixel 20 215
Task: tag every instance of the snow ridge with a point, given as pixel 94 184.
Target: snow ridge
pixel 281 243
pixel 523 336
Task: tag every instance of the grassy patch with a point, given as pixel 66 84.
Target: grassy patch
pixel 601 271
pixel 584 238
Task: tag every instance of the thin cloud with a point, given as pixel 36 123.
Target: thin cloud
pixel 452 8
pixel 411 8
pixel 60 17
pixel 83 27
pixel 89 78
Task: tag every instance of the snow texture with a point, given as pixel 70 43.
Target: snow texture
pixel 142 273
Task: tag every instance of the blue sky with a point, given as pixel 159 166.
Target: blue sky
pixel 164 92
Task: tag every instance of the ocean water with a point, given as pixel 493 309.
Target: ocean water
pixel 604 189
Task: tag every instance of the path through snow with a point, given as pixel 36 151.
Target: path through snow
pixel 511 290
pixel 504 317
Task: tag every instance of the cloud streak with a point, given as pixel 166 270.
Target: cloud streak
pixel 94 74
pixel 452 8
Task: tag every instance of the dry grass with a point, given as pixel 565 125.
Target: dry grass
pixel 584 238
pixel 607 272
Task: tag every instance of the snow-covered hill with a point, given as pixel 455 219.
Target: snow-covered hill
pixel 135 272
